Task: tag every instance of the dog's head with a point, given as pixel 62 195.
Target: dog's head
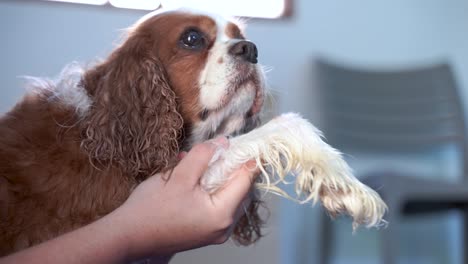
pixel 210 66
pixel 179 78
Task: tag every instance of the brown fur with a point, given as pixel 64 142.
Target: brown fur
pixel 48 186
pixel 233 31
pixel 249 227
pixel 60 171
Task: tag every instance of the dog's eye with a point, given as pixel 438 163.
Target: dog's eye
pixel 193 39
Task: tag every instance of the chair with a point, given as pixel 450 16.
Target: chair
pixel 402 111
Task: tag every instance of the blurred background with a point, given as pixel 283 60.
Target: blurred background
pixel 387 81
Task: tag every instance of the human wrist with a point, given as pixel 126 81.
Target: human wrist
pixel 132 234
pixel 114 238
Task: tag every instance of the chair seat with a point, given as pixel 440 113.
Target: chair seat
pixel 412 195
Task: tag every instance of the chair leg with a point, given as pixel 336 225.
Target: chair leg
pixel 326 241
pixel 389 246
pixel 465 236
pixel 390 235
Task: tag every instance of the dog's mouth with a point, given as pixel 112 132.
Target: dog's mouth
pixel 229 127
pixel 237 111
pixel 238 115
pixel 246 83
pixel 236 123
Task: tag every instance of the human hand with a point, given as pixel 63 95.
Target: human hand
pixel 167 216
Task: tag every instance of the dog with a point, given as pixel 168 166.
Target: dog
pixel 73 149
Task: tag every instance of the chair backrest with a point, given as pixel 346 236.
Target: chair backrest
pixel 388 111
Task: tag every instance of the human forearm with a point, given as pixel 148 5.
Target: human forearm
pixel 99 242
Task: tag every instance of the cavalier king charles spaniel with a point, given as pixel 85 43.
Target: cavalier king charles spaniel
pixel 73 149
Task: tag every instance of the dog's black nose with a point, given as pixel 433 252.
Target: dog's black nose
pixel 245 50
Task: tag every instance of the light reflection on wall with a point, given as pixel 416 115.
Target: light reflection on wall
pixel 257 8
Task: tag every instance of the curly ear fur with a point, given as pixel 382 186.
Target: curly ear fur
pixel 248 229
pixel 134 121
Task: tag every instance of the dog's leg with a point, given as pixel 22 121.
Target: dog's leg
pixel 290 145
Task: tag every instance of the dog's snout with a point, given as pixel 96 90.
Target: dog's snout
pixel 245 50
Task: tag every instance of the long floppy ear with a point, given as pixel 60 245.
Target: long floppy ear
pixel 248 229
pixel 134 121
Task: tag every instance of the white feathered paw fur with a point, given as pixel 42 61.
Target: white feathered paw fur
pixel 290 145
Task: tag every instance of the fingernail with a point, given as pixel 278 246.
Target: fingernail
pixel 181 155
pixel 221 144
pixel 220 141
pixel 251 164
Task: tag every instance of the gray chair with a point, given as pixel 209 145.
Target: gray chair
pixel 406 111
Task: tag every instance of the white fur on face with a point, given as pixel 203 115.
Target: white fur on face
pixel 227 89
pixel 214 77
pixel 233 116
pixel 220 71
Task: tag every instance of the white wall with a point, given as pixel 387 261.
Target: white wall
pixel 38 39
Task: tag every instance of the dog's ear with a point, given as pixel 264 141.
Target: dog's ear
pixel 134 121
pixel 248 229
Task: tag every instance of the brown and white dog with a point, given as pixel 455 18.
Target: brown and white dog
pixel 74 148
